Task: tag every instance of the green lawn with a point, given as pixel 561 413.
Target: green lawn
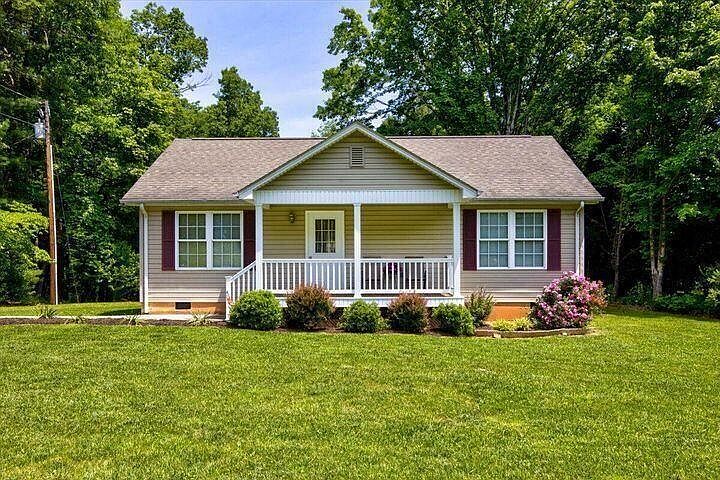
pixel 641 399
pixel 89 309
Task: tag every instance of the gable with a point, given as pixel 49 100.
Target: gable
pixel 383 169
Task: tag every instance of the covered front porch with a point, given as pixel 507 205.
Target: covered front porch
pixel 380 245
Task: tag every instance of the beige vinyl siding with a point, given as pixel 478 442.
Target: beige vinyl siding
pixel 287 240
pixel 180 285
pixel 399 231
pixel 524 285
pixel 384 169
pixel 390 231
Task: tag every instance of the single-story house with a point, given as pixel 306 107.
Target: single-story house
pixel 361 214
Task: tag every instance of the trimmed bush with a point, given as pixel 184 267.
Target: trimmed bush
pixel 256 310
pixel 454 319
pixel 514 325
pixel 362 317
pixel 408 313
pixel 308 307
pixel 568 302
pixel 480 304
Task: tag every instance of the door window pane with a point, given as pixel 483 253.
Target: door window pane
pixel 325 235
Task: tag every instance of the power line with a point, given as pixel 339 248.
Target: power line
pixel 22 140
pixel 15 92
pixel 17 119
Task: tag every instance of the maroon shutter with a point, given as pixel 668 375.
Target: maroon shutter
pixel 469 239
pixel 553 239
pixel 168 240
pixel 248 237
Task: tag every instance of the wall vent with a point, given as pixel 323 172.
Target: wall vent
pixel 182 306
pixel 357 156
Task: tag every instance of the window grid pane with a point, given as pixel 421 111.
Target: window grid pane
pixel 192 254
pixel 325 235
pixel 530 244
pixel 227 240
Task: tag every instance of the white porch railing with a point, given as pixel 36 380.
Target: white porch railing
pixel 396 275
pixel 284 275
pixel 377 276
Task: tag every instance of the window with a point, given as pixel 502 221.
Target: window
pixel 529 239
pixel 192 245
pixel 493 237
pixel 209 240
pixel 227 240
pixel 511 239
pixel 324 235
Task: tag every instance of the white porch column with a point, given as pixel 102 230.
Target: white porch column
pixel 456 249
pixel 357 248
pixel 258 246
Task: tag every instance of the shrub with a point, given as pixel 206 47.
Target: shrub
pixel 78 320
pixel 362 317
pixel 454 319
pixel 480 304
pixel 133 320
pixel 640 294
pixel 514 325
pixel 569 301
pixel 257 310
pixel 308 307
pixel 46 312
pixel 408 313
pixel 199 319
pixel 691 303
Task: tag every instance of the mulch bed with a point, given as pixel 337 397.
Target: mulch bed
pixel 332 327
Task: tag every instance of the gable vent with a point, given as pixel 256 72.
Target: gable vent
pixel 357 156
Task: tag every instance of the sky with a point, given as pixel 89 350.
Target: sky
pixel 278 46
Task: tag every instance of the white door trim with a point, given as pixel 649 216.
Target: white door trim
pixel 339 217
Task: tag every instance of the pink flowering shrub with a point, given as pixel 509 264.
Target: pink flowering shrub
pixel 569 301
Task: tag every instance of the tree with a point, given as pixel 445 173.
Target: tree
pixel 458 67
pixel 653 131
pixel 239 110
pixel 168 44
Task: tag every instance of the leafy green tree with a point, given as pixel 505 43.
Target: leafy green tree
pixel 652 133
pixel 19 255
pixel 239 110
pixel 457 67
pixel 168 44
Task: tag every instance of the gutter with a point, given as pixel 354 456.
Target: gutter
pixel 579 265
pixel 145 298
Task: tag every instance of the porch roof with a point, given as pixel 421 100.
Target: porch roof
pixel 519 167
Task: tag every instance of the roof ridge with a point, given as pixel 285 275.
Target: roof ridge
pixel 461 136
pixel 252 138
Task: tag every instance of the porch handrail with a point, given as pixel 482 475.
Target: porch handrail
pixel 235 285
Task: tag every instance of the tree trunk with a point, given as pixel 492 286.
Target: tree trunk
pixel 658 254
pixel 618 238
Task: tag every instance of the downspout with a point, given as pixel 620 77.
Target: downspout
pixel 578 243
pixel 145 298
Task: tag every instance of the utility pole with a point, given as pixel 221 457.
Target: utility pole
pixel 54 287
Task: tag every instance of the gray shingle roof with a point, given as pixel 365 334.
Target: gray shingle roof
pixel 500 167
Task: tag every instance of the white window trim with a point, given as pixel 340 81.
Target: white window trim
pixel 209 240
pixel 511 239
pixel 339 216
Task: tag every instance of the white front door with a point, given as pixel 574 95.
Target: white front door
pixel 325 234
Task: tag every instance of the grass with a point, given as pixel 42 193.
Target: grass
pixel 74 309
pixel 640 399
